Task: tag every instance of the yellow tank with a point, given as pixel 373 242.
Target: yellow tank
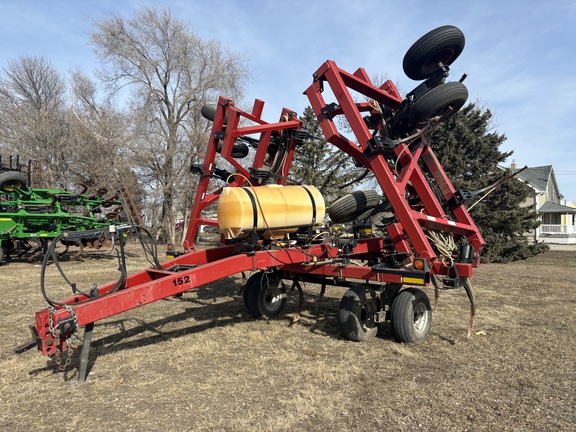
pixel 272 209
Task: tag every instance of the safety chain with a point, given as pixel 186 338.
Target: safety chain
pixel 54 330
pixel 71 340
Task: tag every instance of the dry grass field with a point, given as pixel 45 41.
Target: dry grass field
pixel 201 363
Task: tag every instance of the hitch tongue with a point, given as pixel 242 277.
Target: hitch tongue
pixel 34 342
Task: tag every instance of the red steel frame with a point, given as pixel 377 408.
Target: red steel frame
pixel 195 268
pixel 226 109
pixel 411 221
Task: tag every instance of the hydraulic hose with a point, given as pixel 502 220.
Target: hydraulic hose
pixel 149 249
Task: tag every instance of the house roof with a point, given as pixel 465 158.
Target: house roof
pixel 550 207
pixel 537 177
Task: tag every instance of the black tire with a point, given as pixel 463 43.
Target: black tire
pixel 264 295
pixel 411 316
pixel 443 44
pixel 356 313
pixel 247 286
pixel 443 101
pixel 12 180
pixel 350 206
pixel 239 150
pixel 208 111
pixel 1 253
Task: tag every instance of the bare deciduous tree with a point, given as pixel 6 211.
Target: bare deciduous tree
pixel 34 123
pixel 99 139
pixel 168 72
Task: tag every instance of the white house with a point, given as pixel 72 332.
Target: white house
pixel 558 219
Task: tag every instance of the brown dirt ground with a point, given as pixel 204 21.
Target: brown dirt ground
pixel 201 363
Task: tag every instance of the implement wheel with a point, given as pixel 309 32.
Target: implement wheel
pixel 264 295
pixel 352 205
pixel 411 315
pixel 239 150
pixel 441 45
pixel 11 181
pixel 356 314
pixel 208 111
pixel 440 102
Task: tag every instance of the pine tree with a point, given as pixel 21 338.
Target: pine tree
pixel 320 164
pixel 468 148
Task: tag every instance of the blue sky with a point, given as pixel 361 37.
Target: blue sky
pixel 519 55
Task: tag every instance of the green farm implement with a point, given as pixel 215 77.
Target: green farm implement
pixel 31 217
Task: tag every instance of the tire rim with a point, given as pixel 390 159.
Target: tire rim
pixel 273 299
pixel 420 317
pixel 367 314
pixel 12 186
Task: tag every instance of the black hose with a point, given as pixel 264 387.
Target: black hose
pixel 51 253
pixel 149 248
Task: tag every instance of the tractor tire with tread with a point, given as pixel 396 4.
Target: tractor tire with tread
pixel 12 180
pixel 443 101
pixel 208 111
pixel 264 295
pixel 443 44
pixel 356 313
pixel 239 150
pixel 411 316
pixel 350 206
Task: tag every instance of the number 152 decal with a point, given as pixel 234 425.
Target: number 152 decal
pixel 181 280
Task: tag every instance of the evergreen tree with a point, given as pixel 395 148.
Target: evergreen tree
pixel 468 148
pixel 320 164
